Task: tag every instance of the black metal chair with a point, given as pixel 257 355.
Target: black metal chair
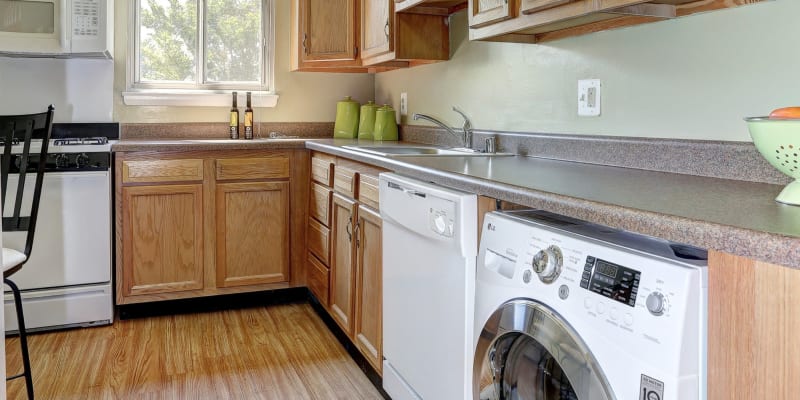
pixel 21 129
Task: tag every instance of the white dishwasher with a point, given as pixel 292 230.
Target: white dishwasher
pixel 429 255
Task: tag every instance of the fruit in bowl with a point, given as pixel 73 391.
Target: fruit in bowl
pixel 785 113
pixel 777 138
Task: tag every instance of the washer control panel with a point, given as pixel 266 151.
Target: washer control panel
pixel 611 280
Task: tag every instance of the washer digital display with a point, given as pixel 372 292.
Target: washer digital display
pixel 611 280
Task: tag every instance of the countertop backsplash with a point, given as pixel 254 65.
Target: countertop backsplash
pixel 719 159
pixel 219 130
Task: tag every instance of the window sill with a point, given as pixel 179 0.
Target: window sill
pixel 195 98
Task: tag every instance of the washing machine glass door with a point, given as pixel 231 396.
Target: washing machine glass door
pixel 527 352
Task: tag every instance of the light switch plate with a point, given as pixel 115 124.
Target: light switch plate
pixel 403 104
pixel 589 97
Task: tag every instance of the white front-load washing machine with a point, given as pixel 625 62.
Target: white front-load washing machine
pixel 566 309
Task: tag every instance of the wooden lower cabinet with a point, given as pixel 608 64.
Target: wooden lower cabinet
pixel 162 239
pixel 204 223
pixel 342 299
pixel 252 233
pixel 348 279
pixel 369 286
pixel 753 326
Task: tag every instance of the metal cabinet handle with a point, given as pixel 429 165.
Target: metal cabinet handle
pixel 305 39
pixel 349 229
pixel 386 29
pixel 358 234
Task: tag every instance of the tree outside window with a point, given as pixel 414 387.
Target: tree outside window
pixel 206 44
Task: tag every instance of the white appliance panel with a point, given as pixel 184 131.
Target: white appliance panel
pixel 56 28
pixel 428 288
pixel 72 244
pixel 627 341
pixel 80 306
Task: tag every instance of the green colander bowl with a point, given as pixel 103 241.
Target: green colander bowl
pixel 778 140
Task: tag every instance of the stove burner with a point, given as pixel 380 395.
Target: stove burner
pixel 14 141
pixel 99 140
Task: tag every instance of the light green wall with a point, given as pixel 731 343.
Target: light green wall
pixel 695 77
pixel 304 96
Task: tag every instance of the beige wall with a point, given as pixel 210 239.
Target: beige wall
pixel 694 77
pixel 303 96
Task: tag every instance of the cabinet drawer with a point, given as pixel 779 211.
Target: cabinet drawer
pixel 345 181
pixel 319 240
pixel 318 279
pixel 322 170
pixel 134 171
pixel 320 204
pixel 368 190
pixel 267 167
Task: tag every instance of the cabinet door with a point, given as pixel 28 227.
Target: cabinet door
pixel 342 299
pixel 369 286
pixel 328 30
pixel 377 27
pixel 532 6
pixel 162 239
pixel 487 12
pixel 252 233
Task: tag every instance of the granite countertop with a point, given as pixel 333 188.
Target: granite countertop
pixel 732 216
pixel 736 217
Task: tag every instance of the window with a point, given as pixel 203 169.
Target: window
pixel 182 48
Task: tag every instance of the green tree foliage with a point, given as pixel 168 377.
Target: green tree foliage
pixel 169 40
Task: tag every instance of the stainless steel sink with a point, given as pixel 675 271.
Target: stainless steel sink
pixel 418 150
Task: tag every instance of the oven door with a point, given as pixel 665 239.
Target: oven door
pixel 33 26
pixel 528 352
pixel 72 244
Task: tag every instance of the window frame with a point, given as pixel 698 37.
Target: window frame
pixel 200 92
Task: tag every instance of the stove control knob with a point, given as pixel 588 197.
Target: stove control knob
pixel 547 264
pixel 62 161
pixel 656 303
pixel 82 160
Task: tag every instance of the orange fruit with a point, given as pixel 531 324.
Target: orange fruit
pixel 785 112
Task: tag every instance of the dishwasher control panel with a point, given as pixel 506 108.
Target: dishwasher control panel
pixel 441 220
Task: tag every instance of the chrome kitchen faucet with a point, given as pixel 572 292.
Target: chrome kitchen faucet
pixel 466 130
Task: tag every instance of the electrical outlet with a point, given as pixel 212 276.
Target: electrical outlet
pixel 589 97
pixel 403 104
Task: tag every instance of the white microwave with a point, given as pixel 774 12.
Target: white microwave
pixel 56 28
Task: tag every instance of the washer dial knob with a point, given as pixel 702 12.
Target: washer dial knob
pixel 656 303
pixel 547 264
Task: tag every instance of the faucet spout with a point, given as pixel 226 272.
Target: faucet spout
pixel 466 131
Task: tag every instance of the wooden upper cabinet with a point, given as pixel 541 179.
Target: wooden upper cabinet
pixel 487 12
pixel 252 233
pixel 162 239
pixel 377 27
pixel 534 21
pixel 325 34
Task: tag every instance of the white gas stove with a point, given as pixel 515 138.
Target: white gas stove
pixel 67 281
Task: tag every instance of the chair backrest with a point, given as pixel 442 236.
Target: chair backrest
pixel 23 128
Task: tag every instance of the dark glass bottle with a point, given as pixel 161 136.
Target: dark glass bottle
pixel 248 119
pixel 234 123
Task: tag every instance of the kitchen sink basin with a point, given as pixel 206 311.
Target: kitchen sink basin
pixel 418 150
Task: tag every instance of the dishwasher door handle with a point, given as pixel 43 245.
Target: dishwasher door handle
pixel 395 186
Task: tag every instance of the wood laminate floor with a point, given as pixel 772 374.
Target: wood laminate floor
pixel 275 352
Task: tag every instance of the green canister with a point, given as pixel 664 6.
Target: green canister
pixel 346 125
pixel 385 124
pixel 366 123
